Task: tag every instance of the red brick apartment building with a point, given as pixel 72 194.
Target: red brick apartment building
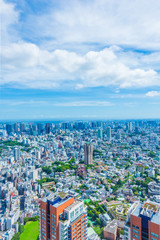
pixel 143 222
pixel 62 219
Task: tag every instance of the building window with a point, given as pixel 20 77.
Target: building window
pixel 154 234
pixel 134 235
pixel 134 226
pixel 135 231
pixel 76 211
pixel 81 208
pixel 66 215
pixel 72 215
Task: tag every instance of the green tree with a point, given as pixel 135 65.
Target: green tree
pixel 16 236
pixel 151 154
pixel 47 169
pixel 98 221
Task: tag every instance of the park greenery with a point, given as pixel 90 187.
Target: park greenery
pixel 12 143
pixel 28 231
pixel 94 209
pixel 31 231
pixel 45 180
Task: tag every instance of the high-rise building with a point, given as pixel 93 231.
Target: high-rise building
pixel 16 154
pixel 9 129
pixel 48 128
pixel 62 218
pixel 129 126
pixel 40 128
pixel 22 127
pixel 15 127
pixel 100 133
pixel 109 133
pixel 88 153
pixel 143 221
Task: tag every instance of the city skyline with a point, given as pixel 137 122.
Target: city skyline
pixel 79 60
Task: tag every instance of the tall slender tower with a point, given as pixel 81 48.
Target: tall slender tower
pixel 88 153
pixel 16 154
pixel 48 128
pixel 109 133
pixel 100 133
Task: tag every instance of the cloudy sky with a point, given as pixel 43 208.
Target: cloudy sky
pixel 80 59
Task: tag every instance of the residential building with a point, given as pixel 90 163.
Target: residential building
pixel 62 219
pixel 88 153
pixel 143 221
pixel 16 154
pixel 110 232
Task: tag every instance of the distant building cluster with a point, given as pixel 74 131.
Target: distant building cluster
pixel 83 179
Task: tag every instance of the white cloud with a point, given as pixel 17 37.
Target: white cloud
pixel 153 94
pixel 125 22
pixel 84 103
pixel 8 16
pixel 26 65
pixel 59 104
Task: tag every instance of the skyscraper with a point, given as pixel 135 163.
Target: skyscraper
pixel 22 127
pixel 129 126
pixel 143 221
pixel 40 128
pixel 62 218
pixel 48 128
pixel 15 127
pixel 88 153
pixel 9 129
pixel 16 154
pixel 109 133
pixel 100 133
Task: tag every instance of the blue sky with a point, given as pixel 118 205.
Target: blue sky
pixel 77 59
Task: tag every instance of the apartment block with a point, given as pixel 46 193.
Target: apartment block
pixel 143 222
pixel 63 219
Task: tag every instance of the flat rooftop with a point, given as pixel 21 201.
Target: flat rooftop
pixel 76 202
pixel 149 209
pixel 57 201
pixel 111 227
pixel 60 201
pixel 151 206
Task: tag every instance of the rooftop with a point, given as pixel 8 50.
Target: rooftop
pixel 111 227
pixel 60 201
pixel 149 209
pixel 76 202
pixel 150 206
